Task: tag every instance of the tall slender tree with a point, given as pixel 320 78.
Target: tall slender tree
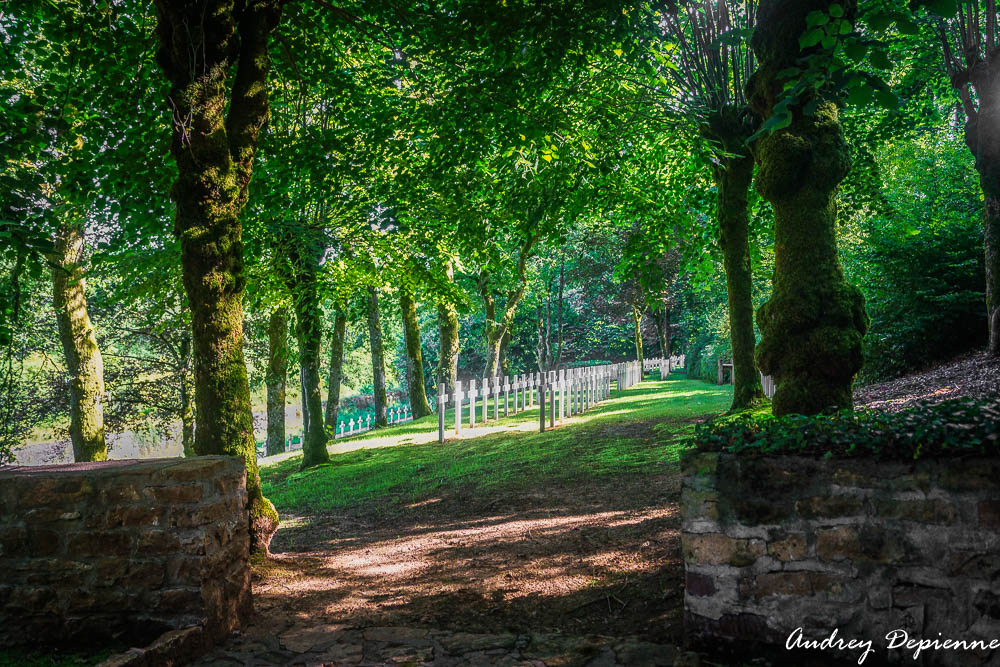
pixel 378 357
pixel 277 375
pixel 971 46
pixel 715 62
pixel 215 56
pixel 336 374
pixel 419 406
pixel 79 342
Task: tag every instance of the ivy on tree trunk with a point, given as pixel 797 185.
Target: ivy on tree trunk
pixel 814 322
pixel 215 55
pixel 83 356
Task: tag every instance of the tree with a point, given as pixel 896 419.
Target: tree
pixel 813 323
pixel 447 369
pixel 715 62
pixel 215 55
pixel 277 375
pixel 378 357
pixel 336 371
pixel 971 43
pixel 83 356
pixel 415 358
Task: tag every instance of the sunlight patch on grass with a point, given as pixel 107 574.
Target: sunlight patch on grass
pixel 635 430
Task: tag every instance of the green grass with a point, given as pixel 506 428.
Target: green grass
pixel 640 429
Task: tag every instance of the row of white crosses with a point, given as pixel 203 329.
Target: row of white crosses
pixel 350 427
pixel 574 390
pixel 666 365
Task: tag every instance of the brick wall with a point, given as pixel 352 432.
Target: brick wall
pixel 778 543
pixel 122 549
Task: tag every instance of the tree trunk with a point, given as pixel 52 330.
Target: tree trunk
pixel 83 356
pixel 447 370
pixel 540 351
pixel 559 311
pixel 662 320
pixel 309 334
pixel 732 179
pixel 378 358
pixel 187 398
pixel 277 375
pixel 637 314
pixel 411 333
pixel 813 324
pixel 217 63
pixel 336 372
pixel 992 237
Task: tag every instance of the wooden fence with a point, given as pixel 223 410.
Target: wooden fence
pixel 766 381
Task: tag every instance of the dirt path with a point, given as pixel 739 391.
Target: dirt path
pixel 562 575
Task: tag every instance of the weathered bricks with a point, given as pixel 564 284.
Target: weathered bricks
pixel 122 549
pixel 775 543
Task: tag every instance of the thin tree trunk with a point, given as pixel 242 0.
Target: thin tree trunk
pixel 637 314
pixel 662 320
pixel 559 311
pixel 378 358
pixel 540 345
pixel 411 333
pixel 187 398
pixel 83 356
pixel 732 179
pixel 503 367
pixel 813 325
pixel 309 334
pixel 336 372
pixel 217 63
pixel 277 374
pixel 992 244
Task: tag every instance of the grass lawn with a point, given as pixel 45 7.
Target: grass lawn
pixel 637 429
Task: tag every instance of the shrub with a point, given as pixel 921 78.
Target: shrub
pixel 959 427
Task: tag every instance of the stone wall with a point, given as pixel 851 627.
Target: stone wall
pixel 122 550
pixel 773 544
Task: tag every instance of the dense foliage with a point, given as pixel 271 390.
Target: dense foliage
pixel 959 427
pixel 546 184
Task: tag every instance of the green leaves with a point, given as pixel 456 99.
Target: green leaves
pixel 953 428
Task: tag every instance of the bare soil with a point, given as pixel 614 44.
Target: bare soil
pixel 597 557
pixel 974 375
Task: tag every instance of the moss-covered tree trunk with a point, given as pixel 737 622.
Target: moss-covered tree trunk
pixel 378 358
pixel 84 363
pixel 215 56
pixel 813 324
pixel 336 375
pixel 447 369
pixel 187 398
pixel 732 179
pixel 419 406
pixel 309 335
pixel 275 379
